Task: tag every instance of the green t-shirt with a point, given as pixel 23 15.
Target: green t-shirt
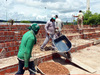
pixel 25 49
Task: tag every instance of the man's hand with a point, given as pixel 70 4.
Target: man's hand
pixel 48 34
pixel 57 28
pixel 25 68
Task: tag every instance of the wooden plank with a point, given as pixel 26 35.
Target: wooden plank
pixel 85 67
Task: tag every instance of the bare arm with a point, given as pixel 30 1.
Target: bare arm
pixel 75 16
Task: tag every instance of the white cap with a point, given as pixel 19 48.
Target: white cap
pixel 53 16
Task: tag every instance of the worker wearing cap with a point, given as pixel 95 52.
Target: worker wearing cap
pixel 80 20
pixel 25 49
pixel 50 31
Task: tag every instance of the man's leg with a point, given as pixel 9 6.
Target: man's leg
pixel 52 36
pixel 82 24
pixel 56 35
pixel 20 68
pixel 78 23
pixel 45 41
pixel 32 67
pixel 59 33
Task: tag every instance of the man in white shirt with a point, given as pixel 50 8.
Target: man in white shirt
pixel 80 20
pixel 58 26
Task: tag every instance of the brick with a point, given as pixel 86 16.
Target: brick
pixel 1 33
pixel 42 59
pixel 8 54
pixel 80 47
pixel 16 52
pixel 38 61
pixel 10 48
pixel 8 44
pixel 13 48
pixel 12 43
pixel 8 70
pixel 2 38
pixel 2 72
pixel 45 58
pixel 15 43
pixel 73 50
pixel 0 49
pixel 2 45
pixel 14 68
pixel 5 33
pixel 17 47
pixel 11 38
pixel 12 53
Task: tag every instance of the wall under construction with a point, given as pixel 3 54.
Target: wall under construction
pixel 10 39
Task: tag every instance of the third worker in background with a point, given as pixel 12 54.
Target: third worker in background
pixel 80 20
pixel 58 26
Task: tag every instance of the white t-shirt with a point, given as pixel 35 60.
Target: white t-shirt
pixel 80 15
pixel 58 24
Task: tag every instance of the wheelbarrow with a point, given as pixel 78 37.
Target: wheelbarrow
pixel 63 46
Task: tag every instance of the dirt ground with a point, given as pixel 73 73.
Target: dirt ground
pixel 90 56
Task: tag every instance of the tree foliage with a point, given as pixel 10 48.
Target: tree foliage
pixel 91 19
pixel 25 22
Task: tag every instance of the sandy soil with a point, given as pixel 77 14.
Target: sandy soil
pixel 90 56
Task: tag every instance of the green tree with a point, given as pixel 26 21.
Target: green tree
pixel 87 15
pixel 93 19
pixel 98 19
pixel 25 21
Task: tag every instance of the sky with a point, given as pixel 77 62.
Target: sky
pixel 43 10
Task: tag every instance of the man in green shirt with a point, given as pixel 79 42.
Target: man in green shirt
pixel 25 49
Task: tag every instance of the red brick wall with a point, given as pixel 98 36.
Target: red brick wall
pixel 13 27
pixel 8 49
pixel 8 69
pixel 7 36
pixel 16 27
